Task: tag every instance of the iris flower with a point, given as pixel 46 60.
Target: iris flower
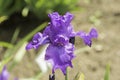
pixel 58 34
pixel 4 75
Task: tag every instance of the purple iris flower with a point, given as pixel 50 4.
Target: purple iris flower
pixel 57 34
pixel 4 75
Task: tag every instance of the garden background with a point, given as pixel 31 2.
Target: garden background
pixel 21 19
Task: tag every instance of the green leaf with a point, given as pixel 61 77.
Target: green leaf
pixel 6 44
pixel 21 42
pixel 16 49
pixel 15 35
pixel 107 72
pixel 79 76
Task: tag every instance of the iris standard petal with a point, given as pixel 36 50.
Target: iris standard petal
pixel 60 24
pixel 67 18
pixel 54 17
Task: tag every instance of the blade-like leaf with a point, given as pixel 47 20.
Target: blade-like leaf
pixel 107 72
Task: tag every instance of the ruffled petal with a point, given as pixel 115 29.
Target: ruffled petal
pixel 59 36
pixel 61 40
pixel 93 33
pixel 60 57
pixel 37 40
pixel 60 24
pixel 67 18
pixel 87 38
pixel 55 19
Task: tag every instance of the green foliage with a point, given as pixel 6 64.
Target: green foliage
pixel 39 7
pixel 42 7
pixel 17 49
pixel 3 18
pixel 15 52
pixel 6 44
pixel 7 7
pixel 107 72
pixel 79 76
pixel 12 51
pixel 95 18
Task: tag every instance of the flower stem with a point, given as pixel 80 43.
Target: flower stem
pixel 66 76
pixel 52 77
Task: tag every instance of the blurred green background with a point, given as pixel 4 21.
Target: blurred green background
pixel 39 8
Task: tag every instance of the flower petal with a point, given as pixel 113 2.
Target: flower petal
pixel 60 57
pixel 61 40
pixel 93 33
pixel 60 24
pixel 37 40
pixel 54 17
pixel 87 38
pixel 67 18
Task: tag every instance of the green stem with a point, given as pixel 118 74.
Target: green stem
pixel 66 76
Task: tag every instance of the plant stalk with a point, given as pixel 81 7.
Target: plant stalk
pixel 66 76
